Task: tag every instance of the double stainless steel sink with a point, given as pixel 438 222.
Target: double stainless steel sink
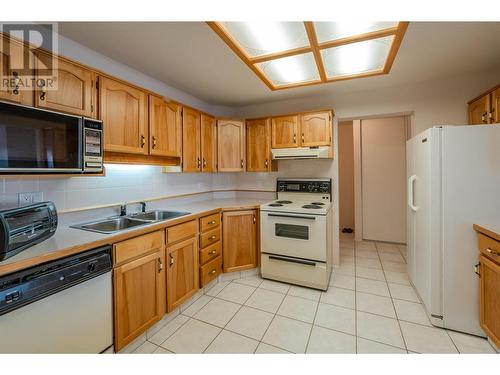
pixel 118 223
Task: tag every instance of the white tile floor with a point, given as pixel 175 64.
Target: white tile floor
pixel 370 307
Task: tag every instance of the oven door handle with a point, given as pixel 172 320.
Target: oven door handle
pixel 293 260
pixel 293 216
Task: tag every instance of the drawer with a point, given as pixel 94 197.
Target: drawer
pixel 210 271
pixel 137 246
pixel 182 231
pixel 209 222
pixel 489 247
pixel 209 238
pixel 210 252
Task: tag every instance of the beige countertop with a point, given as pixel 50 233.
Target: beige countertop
pixel 68 241
pixel 493 232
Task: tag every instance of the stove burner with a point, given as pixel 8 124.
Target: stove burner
pixel 284 202
pixel 318 203
pixel 311 206
pixel 275 204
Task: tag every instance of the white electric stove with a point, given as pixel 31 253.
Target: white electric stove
pixel 296 233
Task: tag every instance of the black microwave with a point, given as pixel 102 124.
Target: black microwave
pixel 34 140
pixel 25 226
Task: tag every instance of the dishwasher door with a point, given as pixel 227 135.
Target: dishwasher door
pixel 75 320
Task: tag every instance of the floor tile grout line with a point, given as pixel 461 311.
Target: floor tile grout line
pixel 395 312
pixel 313 324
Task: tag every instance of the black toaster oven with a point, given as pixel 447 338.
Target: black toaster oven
pixel 24 226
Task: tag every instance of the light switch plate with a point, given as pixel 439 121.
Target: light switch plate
pixel 29 197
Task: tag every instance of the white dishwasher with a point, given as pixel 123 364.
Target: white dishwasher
pixel 63 306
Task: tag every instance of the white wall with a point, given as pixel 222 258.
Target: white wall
pixel 436 102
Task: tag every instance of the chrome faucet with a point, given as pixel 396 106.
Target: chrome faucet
pixel 123 209
pixel 143 206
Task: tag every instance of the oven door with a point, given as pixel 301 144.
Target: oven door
pixel 294 235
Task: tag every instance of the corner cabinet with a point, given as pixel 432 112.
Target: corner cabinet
pixel 239 240
pixel 484 109
pixel 139 285
pixel 191 138
pixel 165 127
pixel 76 88
pixel 231 145
pixel 258 146
pixel 124 112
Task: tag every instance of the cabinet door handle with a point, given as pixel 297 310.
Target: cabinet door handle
pixel 44 90
pixel 171 259
pixel 484 118
pixel 492 114
pixel 266 163
pixel 153 141
pixel 241 163
pixel 212 272
pixel 143 140
pixel 160 265
pixel 492 252
pixel 477 269
pixel 16 83
pixel 254 219
pixel 302 137
pixel 198 163
pixel 294 138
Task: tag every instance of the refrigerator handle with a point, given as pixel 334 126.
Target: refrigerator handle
pixel 411 193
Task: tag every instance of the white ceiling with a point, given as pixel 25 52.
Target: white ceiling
pixel 191 57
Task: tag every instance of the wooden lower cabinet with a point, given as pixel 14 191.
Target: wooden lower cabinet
pixel 210 248
pixel 139 295
pixel 239 240
pixel 210 270
pixel 182 272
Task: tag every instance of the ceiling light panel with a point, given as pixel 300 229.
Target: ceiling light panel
pixel 289 70
pixel 356 58
pixel 327 31
pixel 262 38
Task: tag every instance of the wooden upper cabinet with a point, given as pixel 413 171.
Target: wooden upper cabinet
pixel 315 129
pixel 208 144
pixel 182 272
pixel 479 110
pixel 258 146
pixel 231 145
pixel 285 131
pixel 124 112
pixel 139 296
pixel 495 107
pixel 165 128
pixel 191 136
pixel 12 62
pixel 75 93
pixel 239 240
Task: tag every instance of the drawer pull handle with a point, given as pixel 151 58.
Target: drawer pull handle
pixel 212 237
pixel 493 252
pixel 212 252
pixel 160 265
pixel 212 272
pixel 211 222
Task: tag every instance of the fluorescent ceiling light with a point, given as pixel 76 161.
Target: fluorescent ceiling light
pixel 293 69
pixel 355 58
pixel 327 31
pixel 261 38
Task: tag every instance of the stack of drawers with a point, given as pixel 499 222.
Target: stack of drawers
pixel 210 248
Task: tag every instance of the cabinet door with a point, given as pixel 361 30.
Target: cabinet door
pixel 75 92
pixel 182 272
pixel 139 295
pixel 230 145
pixel 208 144
pixel 191 157
pixel 315 129
pixel 164 128
pixel 124 112
pixel 258 140
pixel 495 107
pixel 284 131
pixel 490 298
pixel 12 54
pixel 239 240
pixel 478 111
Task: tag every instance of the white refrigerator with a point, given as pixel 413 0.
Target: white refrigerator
pixel 453 182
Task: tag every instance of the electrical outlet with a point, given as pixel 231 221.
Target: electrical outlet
pixel 30 197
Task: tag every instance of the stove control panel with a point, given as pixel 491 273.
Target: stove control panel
pixel 304 186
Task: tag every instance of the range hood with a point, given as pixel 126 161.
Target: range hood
pixel 300 153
